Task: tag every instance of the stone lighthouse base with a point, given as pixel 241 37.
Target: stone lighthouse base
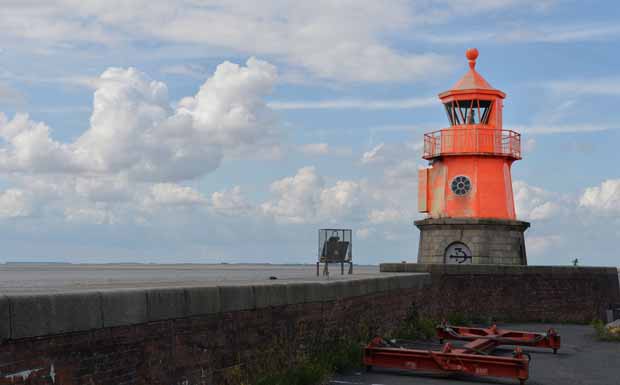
pixel 472 241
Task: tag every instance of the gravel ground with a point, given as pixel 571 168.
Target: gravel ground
pixel 582 360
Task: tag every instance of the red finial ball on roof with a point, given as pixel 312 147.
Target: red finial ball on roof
pixel 472 55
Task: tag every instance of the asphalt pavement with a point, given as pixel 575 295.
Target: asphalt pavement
pixel 582 360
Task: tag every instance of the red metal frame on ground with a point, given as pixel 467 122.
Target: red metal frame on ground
pixel 473 358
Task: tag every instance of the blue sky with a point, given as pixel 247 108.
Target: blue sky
pixel 230 131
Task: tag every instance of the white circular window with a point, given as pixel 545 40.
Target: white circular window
pixel 460 185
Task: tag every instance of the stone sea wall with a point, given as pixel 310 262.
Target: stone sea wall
pixel 515 293
pixel 190 335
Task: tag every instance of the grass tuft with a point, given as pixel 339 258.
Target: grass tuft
pixel 605 334
pixel 345 355
pixel 416 327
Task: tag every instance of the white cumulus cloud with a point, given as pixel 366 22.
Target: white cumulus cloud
pixel 135 132
pixel 95 214
pixel 341 199
pixel 15 203
pixel 603 199
pixel 387 215
pixel 170 194
pixel 535 203
pixel 304 198
pixel 231 202
pixel 364 233
pixel 541 244
pixel 297 198
pixel 140 149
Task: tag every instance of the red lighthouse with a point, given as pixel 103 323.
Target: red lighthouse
pixel 467 188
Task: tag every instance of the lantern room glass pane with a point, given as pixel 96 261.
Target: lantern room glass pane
pixel 464 112
pixel 449 112
pixel 485 111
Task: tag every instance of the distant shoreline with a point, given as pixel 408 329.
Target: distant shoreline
pixel 28 263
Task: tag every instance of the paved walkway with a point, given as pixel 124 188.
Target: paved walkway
pixel 17 278
pixel 582 360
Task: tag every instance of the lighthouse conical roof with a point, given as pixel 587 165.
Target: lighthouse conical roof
pixel 472 81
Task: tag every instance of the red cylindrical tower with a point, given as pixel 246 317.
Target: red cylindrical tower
pixel 468 184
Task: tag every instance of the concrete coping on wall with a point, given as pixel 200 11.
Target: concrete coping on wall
pixel 495 269
pixel 35 315
pixel 472 222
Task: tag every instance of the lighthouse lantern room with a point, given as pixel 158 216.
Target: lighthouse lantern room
pixel 467 189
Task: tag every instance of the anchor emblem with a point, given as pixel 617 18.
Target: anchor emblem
pixel 458 253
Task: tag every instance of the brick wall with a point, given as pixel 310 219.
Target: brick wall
pixel 515 293
pixel 223 335
pixel 220 348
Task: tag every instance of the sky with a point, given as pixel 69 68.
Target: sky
pixel 231 131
